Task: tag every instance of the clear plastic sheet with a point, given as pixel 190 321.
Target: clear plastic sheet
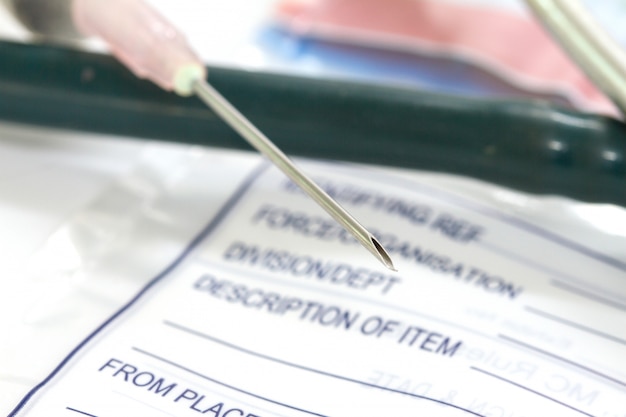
pixel 103 254
pixel 109 250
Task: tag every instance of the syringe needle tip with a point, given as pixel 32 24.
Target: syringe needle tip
pixel 261 143
pixel 174 66
pixel 379 251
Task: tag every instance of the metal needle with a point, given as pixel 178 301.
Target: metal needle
pixel 261 143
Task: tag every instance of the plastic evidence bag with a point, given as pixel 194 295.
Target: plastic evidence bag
pixel 208 284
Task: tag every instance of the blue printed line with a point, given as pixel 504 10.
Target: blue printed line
pixel 80 412
pixel 531 390
pixel 223 384
pixel 496 214
pixel 312 370
pixel 563 285
pixel 575 325
pixel 562 359
pixel 587 294
pixel 565 279
pixel 515 256
pixel 269 277
pixel 208 229
pixel 265 277
pixel 143 403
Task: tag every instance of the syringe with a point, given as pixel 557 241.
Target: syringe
pixel 152 48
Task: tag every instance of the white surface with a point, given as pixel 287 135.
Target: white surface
pixel 48 177
pixel 45 177
pixel 105 254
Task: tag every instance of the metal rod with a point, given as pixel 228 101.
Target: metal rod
pixel 595 52
pixel 261 143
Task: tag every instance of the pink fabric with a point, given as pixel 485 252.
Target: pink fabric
pixel 139 37
pixel 508 43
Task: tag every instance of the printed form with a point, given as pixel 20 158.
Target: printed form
pixel 274 310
